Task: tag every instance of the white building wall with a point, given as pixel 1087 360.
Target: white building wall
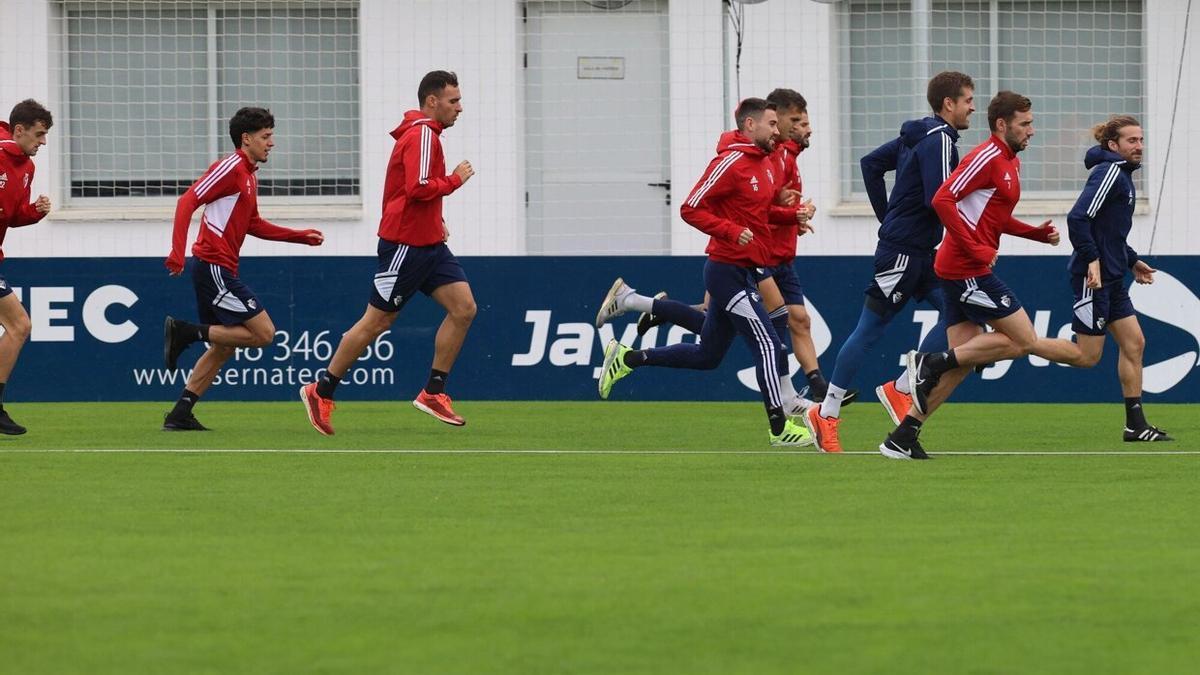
pixel 481 41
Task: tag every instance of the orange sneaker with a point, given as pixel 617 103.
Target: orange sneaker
pixel 895 402
pixel 438 405
pixel 319 409
pixel 824 429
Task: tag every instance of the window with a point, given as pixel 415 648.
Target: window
pixel 1078 61
pixel 150 88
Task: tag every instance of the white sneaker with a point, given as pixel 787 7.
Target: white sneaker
pixel 614 302
pixel 797 406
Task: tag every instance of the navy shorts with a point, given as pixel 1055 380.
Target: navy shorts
pixel 221 297
pixel 404 270
pixel 4 289
pixel 900 277
pixel 788 282
pixel 1096 309
pixel 978 299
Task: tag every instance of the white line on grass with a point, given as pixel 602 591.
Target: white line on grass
pixel 344 451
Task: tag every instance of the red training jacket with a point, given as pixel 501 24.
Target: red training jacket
pixel 16 175
pixel 976 204
pixel 416 183
pixel 228 191
pixel 786 230
pixel 735 192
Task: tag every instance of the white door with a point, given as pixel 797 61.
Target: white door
pixel 596 106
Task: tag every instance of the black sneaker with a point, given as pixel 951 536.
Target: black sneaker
pixel 1148 434
pixel 174 344
pixel 8 426
pixel 894 449
pixel 647 320
pixel 921 380
pixel 189 423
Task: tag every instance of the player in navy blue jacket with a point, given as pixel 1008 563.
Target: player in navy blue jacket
pixel 923 155
pixel 1099 226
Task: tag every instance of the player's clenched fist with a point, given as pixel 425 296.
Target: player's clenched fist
pixel 42 204
pixel 464 170
pixel 745 237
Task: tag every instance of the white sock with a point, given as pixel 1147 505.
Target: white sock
pixel 902 383
pixel 787 391
pixel 637 303
pixel 832 405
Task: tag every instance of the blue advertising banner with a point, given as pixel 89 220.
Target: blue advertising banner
pixel 97 331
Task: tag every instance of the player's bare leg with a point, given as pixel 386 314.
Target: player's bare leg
pixel 16 333
pixel 458 301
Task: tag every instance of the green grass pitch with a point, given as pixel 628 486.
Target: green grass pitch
pixel 650 538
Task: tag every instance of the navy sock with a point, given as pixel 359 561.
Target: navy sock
pixel 678 313
pixel 1135 417
pixel 326 384
pixel 942 362
pixel 183 407
pixel 817 385
pixel 2 385
pixel 194 332
pixel 908 430
pixel 635 358
pixel 856 347
pixel 436 384
pixel 777 419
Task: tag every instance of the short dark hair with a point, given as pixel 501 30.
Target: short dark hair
pixel 751 107
pixel 1005 105
pixel 947 84
pixel 787 99
pixel 248 121
pixel 434 82
pixel 28 113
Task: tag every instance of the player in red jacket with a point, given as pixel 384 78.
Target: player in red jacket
pixel 730 203
pixel 976 204
pixel 413 255
pixel 20 139
pixel 231 315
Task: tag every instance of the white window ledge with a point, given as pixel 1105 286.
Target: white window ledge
pixel 160 213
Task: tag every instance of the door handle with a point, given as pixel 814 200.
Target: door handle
pixel 665 184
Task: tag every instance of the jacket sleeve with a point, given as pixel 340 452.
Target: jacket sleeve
pixel 780 216
pixel 933 156
pixel 1131 256
pixel 264 229
pixel 418 151
pixel 874 166
pixel 26 215
pixel 219 181
pixel 1083 214
pixel 1024 230
pixel 697 208
pixel 945 203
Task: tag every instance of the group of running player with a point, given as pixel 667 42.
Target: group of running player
pixel 939 238
pixel 749 201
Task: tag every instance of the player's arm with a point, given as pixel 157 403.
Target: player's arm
pixel 945 203
pixel 417 152
pixel 1082 215
pixel 1045 233
pixel 184 208
pixel 30 213
pixel 933 157
pixel 697 208
pixel 264 229
pixel 874 166
pixel 219 181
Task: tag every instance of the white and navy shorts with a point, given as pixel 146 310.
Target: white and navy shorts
pixel 900 277
pixel 978 299
pixel 5 290
pixel 403 270
pixel 221 297
pixel 1097 308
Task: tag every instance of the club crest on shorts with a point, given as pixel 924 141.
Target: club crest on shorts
pixel 897 297
pixel 251 304
pixel 1006 301
pixel 1100 322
